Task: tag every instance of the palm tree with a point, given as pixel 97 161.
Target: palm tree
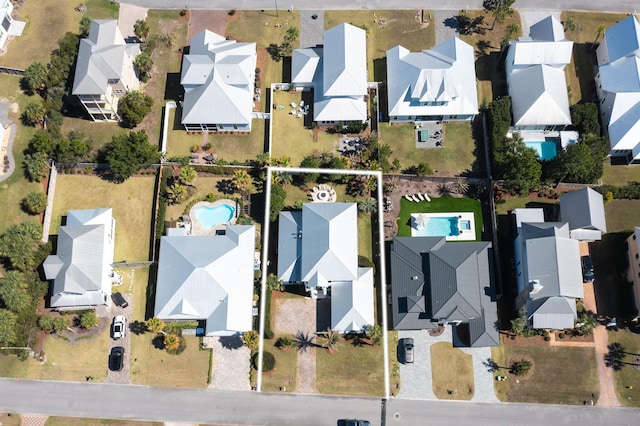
pixel 462 186
pixel 251 339
pixel 187 175
pixel 332 338
pixel 374 332
pixel 241 180
pixel 171 341
pixel 368 205
pixel 599 32
pixel 390 185
pixel 286 179
pixel 155 325
pixel 263 159
pixel 444 189
pixel 176 193
pixel 284 161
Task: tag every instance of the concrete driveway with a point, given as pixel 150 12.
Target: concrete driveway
pixel 231 363
pixel 417 380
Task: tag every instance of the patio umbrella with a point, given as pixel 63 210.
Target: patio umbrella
pixel 420 221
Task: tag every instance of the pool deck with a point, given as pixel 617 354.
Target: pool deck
pixel 465 234
pixel 198 229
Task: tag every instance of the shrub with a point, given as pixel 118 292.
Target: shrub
pixel 35 202
pixel 268 333
pixel 365 262
pixel 174 344
pixel 520 368
pixel 284 342
pixel 268 361
pixel 195 148
pixel 232 12
pixel 46 323
pixel 88 319
pixel 207 146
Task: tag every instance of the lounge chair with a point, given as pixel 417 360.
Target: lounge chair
pixel 420 196
pixel 426 197
pixel 408 197
pixel 415 198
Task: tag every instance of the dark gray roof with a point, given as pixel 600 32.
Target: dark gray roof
pixel 458 286
pixel 583 208
pixel 289 245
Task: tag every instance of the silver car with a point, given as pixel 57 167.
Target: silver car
pixel 406 346
pixel 119 327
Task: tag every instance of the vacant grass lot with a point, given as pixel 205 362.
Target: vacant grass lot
pixel 452 372
pixel 229 147
pixel 520 203
pixel 47 22
pixel 620 175
pixel 290 137
pixel 570 372
pixel 155 367
pixel 628 375
pixel 97 133
pixel 74 421
pixel 353 370
pixel 445 204
pixel 580 72
pixel 622 215
pixel 14 188
pixel 284 375
pixel 131 202
pixel 455 157
pixel 386 29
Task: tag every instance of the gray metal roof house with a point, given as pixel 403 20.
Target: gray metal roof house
pixel 105 70
pixel 584 211
pixel 318 247
pixel 208 278
pixel 434 282
pixel 218 76
pixel 81 268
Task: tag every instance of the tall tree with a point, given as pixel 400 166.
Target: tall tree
pixel 251 339
pixel 368 205
pixel 13 291
pixel 521 169
pixel 141 29
pixel 187 175
pixel 35 76
pixel 242 180
pixel 499 9
pixel 88 319
pixel 35 202
pixel 155 325
pixel 126 153
pixel 19 243
pixel 33 113
pixel 36 166
pixel 144 64
pixel 133 107
pixel 7 327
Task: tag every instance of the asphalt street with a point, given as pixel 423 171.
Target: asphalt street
pixel 96 400
pixel 629 6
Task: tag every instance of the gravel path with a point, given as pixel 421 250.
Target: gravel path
pixel 231 363
pixel 443 31
pixel 311 30
pixel 127 17
pixel 123 376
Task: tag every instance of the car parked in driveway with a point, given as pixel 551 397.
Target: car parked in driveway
pixel 406 350
pixel 119 326
pixel 116 358
pixel 354 422
pixel 587 269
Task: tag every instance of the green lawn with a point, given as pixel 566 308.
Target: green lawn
pixel 290 137
pixel 97 133
pixel 155 367
pixel 620 175
pixel 455 157
pixel 622 215
pixel 352 370
pixel 519 203
pixel 131 202
pixel 284 375
pixel 232 147
pixel 365 244
pixel 452 372
pixel 47 22
pixel 570 372
pixel 13 189
pixel 386 29
pixel 135 281
pixel 394 364
pixel 445 204
pixel 164 83
pixel 627 379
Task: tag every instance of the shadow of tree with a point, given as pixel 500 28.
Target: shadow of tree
pixel 305 341
pixel 231 342
pixel 226 186
pixel 138 327
pixel 158 341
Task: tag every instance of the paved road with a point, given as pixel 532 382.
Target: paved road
pixel 217 407
pixel 603 6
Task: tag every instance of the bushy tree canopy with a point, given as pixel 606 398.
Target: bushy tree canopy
pixel 19 243
pixel 585 118
pixel 35 202
pixel 127 152
pixel 13 291
pixel 133 107
pixel 35 77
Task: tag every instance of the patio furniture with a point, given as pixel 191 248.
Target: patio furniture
pixel 420 196
pixel 415 198
pixel 408 197
pixel 426 197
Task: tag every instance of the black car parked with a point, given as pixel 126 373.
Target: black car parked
pixel 116 358
pixel 587 269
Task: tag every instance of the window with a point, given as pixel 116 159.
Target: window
pixel 634 237
pixel 636 255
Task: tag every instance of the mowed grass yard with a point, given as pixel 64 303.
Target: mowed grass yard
pixel 64 361
pixel 155 367
pixel 571 374
pixel 444 204
pixel 386 29
pixel 352 370
pixel 76 421
pixel 284 375
pixel 620 175
pixel 622 215
pixel 452 372
pixel 131 202
pixel 628 377
pixel 580 72
pixel 455 157
pixel 47 22
pixel 16 187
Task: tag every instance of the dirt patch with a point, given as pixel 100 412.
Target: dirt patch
pixel 212 20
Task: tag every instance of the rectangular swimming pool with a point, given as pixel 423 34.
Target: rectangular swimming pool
pixel 546 150
pixel 446 226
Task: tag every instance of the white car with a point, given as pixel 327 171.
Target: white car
pixel 119 326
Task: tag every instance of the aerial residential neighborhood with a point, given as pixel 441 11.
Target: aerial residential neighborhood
pixel 319 214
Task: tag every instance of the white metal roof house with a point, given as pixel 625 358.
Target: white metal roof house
pixel 584 211
pixel 337 72
pixel 432 85
pixel 9 27
pixel 208 278
pixel 548 274
pixel 218 77
pixel 81 268
pixel 436 282
pixel 318 246
pixel 105 70
pixel 618 88
pixel 535 77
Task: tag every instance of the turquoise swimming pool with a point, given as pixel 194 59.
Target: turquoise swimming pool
pixel 546 150
pixel 212 216
pixel 440 227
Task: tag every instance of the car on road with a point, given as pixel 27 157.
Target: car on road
pixel 354 423
pixel 116 358
pixel 406 350
pixel 587 269
pixel 119 326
